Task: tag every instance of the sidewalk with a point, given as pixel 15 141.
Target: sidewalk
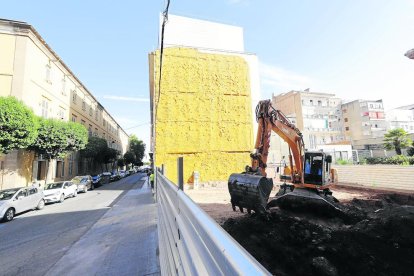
pixel 123 242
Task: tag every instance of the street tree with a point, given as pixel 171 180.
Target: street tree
pixel 397 139
pixel 137 147
pixel 95 150
pixel 57 138
pixel 77 136
pixel 129 157
pixel 110 156
pixel 121 162
pixel 18 125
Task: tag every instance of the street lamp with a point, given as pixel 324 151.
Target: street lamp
pixel 410 54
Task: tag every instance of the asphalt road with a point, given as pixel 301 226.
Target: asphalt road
pixel 34 241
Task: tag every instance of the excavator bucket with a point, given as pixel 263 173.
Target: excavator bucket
pixel 249 191
pixel 305 200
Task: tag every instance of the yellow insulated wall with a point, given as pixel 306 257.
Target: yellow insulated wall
pixel 203 113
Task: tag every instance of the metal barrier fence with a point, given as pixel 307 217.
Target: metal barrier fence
pixel 192 243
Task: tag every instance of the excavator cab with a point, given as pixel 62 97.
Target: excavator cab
pixel 316 168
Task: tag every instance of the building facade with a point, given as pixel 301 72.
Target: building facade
pixel 33 73
pixel 401 117
pixel 203 111
pixel 317 115
pixel 363 120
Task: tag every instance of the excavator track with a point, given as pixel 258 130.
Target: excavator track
pixel 305 200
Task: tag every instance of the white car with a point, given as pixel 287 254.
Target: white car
pixel 17 200
pixel 58 191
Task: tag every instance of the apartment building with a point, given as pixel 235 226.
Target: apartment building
pixel 316 114
pixel 363 120
pixel 32 72
pixel 401 117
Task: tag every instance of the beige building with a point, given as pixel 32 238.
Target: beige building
pixel 363 120
pixel 32 72
pixel 317 115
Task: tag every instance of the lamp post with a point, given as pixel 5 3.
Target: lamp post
pixel 410 54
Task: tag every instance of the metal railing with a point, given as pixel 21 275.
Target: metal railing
pixel 191 242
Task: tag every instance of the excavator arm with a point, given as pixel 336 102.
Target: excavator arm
pixel 269 119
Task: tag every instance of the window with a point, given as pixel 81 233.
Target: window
pixel 61 113
pixel 83 122
pixel 96 132
pixel 83 105
pixel 104 122
pixel 311 102
pixel 90 130
pixel 47 73
pixel 32 191
pixel 70 169
pixel 74 118
pixel 319 103
pixel 90 111
pixel 347 128
pixel 22 193
pixel 45 107
pixel 74 96
pixel 103 136
pixel 346 120
pixel 64 86
pixel 96 114
pixel 380 115
pixel 344 110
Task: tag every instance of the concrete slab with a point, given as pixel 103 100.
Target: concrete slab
pixel 123 242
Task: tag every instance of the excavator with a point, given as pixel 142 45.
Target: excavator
pixel 306 181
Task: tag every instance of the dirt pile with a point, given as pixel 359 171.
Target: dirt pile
pixel 372 237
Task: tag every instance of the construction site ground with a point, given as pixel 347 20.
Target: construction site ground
pixel 374 235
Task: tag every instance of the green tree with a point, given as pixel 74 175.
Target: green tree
pixel 57 138
pixel 397 139
pixel 110 155
pixel 137 147
pixel 77 136
pixel 95 150
pixel 18 125
pixel 129 157
pixel 121 162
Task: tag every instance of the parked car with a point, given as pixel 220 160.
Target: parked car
pixel 83 183
pixel 131 172
pixel 127 173
pixel 115 176
pixel 96 181
pixel 105 177
pixel 58 191
pixel 17 200
pixel 122 173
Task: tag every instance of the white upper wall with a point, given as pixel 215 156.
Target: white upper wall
pixel 189 32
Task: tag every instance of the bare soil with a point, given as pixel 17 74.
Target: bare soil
pixel 374 235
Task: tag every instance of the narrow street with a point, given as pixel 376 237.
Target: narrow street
pixel 36 242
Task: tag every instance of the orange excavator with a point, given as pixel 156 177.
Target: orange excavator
pixel 307 179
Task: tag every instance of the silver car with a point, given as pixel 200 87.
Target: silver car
pixel 83 183
pixel 17 200
pixel 58 191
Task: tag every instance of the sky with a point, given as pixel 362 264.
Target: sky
pixel 354 49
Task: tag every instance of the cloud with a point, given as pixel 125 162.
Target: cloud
pixel 278 78
pixel 122 98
